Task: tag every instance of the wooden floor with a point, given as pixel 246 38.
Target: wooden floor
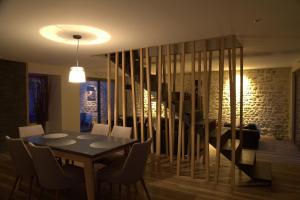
pixel 163 184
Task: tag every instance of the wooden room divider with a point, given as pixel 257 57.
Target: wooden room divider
pixel 193 107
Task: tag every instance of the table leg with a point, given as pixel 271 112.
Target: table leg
pixel 89 179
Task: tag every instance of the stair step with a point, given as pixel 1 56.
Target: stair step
pixel 224 130
pixel 247 157
pixel 262 171
pixel 227 145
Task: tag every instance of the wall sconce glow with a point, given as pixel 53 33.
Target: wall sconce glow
pixel 77 75
pixel 62 33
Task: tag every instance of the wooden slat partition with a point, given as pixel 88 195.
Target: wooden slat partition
pixel 133 94
pixel 158 115
pixel 149 96
pixel 123 89
pixel 142 95
pixel 180 109
pixel 116 102
pixel 205 109
pixel 170 104
pixel 108 93
pixel 193 96
pixel 218 134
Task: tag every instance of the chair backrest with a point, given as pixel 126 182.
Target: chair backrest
pixel 100 129
pixel 32 130
pixel 121 131
pixel 20 156
pixel 49 172
pixel 134 166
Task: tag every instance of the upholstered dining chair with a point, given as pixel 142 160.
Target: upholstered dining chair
pixel 50 174
pixel 131 171
pixel 100 129
pixel 23 163
pixel 121 131
pixel 32 130
pixel 118 131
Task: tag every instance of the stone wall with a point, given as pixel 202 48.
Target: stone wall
pixel 266 98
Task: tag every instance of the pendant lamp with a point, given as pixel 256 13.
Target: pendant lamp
pixel 77 74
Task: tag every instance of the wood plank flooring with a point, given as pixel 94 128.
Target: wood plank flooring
pixel 163 184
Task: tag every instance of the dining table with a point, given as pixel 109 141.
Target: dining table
pixel 85 148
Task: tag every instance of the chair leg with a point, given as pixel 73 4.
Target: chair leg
pixel 20 183
pixel 57 195
pixel 128 191
pixel 145 188
pixel 41 193
pixel 14 187
pixel 30 187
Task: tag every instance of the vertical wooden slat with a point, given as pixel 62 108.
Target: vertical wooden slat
pixel 108 93
pixel 193 114
pixel 221 83
pixel 233 122
pixel 149 96
pixel 142 95
pixel 123 89
pixel 241 94
pixel 199 101
pixel 170 104
pixel 180 108
pixel 165 107
pixel 132 74
pixel 116 102
pixel 209 74
pixel 205 109
pixel 158 132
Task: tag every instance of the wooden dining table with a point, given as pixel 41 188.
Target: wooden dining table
pixel 82 147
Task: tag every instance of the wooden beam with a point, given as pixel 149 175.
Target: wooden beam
pixel 233 123
pixel 206 114
pixel 218 135
pixel 200 90
pixel 132 74
pixel 180 108
pixel 123 89
pixel 108 93
pixel 170 104
pixel 165 108
pixel 149 96
pixel 241 95
pixel 193 116
pixel 116 102
pixel 142 95
pixel 159 76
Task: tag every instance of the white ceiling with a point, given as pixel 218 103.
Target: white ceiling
pixel 273 42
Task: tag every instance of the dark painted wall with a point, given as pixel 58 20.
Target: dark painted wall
pixel 13 104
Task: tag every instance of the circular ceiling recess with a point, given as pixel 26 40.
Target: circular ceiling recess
pixel 63 33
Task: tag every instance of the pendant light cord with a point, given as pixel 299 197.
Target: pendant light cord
pixel 77 51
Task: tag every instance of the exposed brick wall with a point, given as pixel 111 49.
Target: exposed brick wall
pixel 13 109
pixel 266 98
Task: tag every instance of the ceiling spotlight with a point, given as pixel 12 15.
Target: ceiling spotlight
pixel 256 20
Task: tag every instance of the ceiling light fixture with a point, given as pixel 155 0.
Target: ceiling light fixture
pixel 77 74
pixel 61 33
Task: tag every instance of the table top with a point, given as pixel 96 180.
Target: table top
pixel 85 144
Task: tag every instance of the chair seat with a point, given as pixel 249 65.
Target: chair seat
pixel 110 173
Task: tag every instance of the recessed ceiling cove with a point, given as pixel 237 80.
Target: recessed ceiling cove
pixel 63 33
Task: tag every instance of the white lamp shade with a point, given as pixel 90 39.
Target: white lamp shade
pixel 77 75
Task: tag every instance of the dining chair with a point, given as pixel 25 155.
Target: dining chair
pixel 100 129
pixel 22 161
pixel 50 174
pixel 131 171
pixel 121 132
pixel 32 130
